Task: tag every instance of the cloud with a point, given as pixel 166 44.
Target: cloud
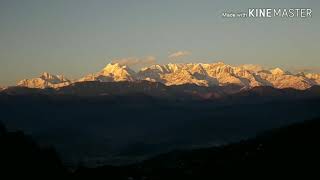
pixel 179 54
pixel 133 61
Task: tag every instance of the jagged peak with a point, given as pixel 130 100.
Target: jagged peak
pixel 217 73
pixel 113 65
pixel 45 80
pixel 153 67
pixel 113 68
pixel 46 75
pixel 173 67
pixel 277 71
pixel 313 75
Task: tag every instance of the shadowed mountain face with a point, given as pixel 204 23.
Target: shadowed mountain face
pixel 161 91
pixel 118 123
pixel 287 152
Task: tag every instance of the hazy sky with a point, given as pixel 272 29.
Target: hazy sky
pixel 76 37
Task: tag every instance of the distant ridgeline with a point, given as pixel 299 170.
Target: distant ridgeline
pixel 206 75
pixel 143 89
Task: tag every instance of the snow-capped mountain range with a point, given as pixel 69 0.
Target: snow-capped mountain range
pixel 46 80
pixel 215 74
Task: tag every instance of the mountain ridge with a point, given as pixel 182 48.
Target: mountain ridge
pixel 200 74
pixel 45 80
pixel 185 92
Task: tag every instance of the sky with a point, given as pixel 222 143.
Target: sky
pixel 77 37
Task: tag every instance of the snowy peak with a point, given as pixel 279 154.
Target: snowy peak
pixel 176 74
pixel 118 72
pixel 278 71
pixel 113 67
pixel 221 74
pixel 54 79
pixel 315 78
pixel 201 74
pixel 46 75
pixel 45 80
pixel 112 72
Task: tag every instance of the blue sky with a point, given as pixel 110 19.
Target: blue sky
pixel 76 37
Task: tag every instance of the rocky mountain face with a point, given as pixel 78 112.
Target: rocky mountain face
pixel 207 75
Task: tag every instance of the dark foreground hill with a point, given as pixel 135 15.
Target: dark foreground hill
pixel 21 157
pixel 287 152
pixel 96 123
